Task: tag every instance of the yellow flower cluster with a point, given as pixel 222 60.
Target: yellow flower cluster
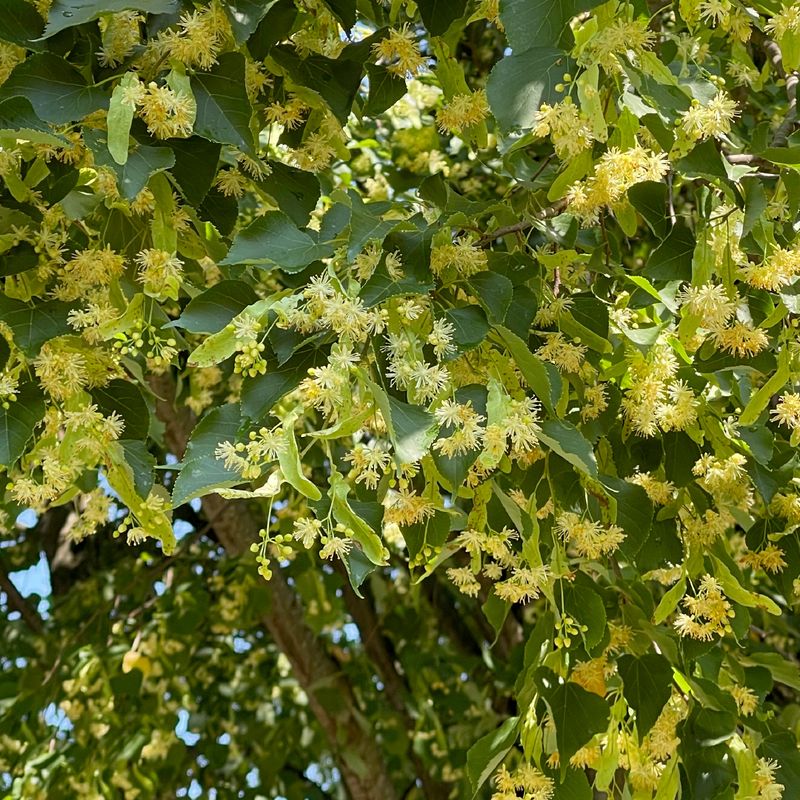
pixel 787 412
pixel 567 356
pixel 787 20
pixel 656 399
pixel 166 113
pixel 462 111
pixel 567 127
pixel 710 303
pixel 370 462
pixel 249 459
pixel 458 259
pixel 467 432
pixel 86 270
pixel 615 173
pixel 768 559
pixel 199 37
pixel 726 479
pixel 400 52
pixel 660 492
pixel 160 272
pixel 590 538
pixel 710 120
pixel 526 782
pixel 120 34
pixel 742 339
pixel 620 38
pixel 708 612
pixel 778 269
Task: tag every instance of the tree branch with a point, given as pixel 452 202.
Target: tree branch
pixel 524 225
pixel 381 653
pixel 775 56
pixel 16 602
pixel 359 758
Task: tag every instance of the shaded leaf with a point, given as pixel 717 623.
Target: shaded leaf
pixel 521 82
pixel 55 89
pixel 578 715
pixel 18 421
pixel 485 755
pixel 647 685
pixel 223 108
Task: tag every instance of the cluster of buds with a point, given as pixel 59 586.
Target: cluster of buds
pixel 143 339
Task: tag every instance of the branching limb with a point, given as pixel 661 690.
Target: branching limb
pixel 317 673
pixel 524 225
pixel 16 602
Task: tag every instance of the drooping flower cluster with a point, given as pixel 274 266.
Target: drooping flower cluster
pixel 708 612
pixel 615 172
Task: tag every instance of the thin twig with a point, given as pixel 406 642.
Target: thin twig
pixel 524 225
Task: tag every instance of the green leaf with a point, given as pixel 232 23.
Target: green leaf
pixel 142 463
pixel 521 82
pixel 539 23
pixel 295 191
pixel 564 439
pixel 781 747
pixel 412 429
pixel 495 610
pixel 126 398
pixel 141 164
pixel 292 469
pixel 634 513
pixel 585 605
pixel 345 11
pixel 119 119
pixel 214 308
pixel 573 786
pixel 359 568
pixel 494 292
pixel 369 540
pixel 669 602
pixel 55 89
pixel 68 13
pixel 223 108
pixel 201 471
pixel 336 81
pixel 245 15
pixel 736 592
pixel 385 89
pixel 380 287
pixel 578 715
pixel 156 522
pixel 439 15
pixel 18 421
pixel 647 685
pixel 760 399
pixel 20 24
pixel 485 755
pixel 366 224
pixel 672 259
pixel 533 369
pixel 196 161
pixel 19 121
pixel 649 198
pixel 261 393
pixel 274 239
pixel 470 326
pixel 32 326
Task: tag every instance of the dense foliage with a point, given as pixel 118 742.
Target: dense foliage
pixel 402 398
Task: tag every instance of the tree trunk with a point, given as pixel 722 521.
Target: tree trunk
pixel 359 758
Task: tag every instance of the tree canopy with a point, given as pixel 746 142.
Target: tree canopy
pixel 399 399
